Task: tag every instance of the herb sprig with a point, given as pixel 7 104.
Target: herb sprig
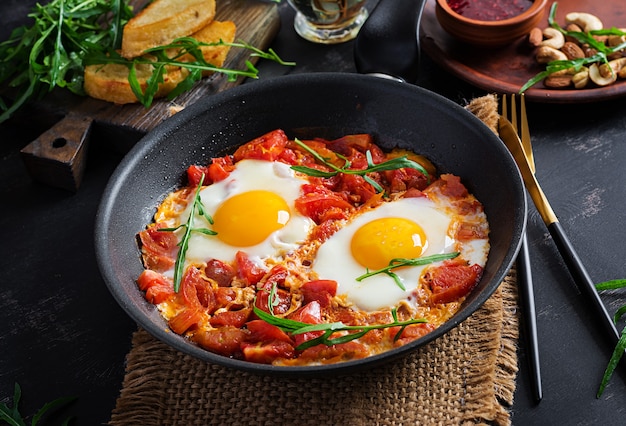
pixel 603 51
pixel 13 417
pixel 297 327
pixel 162 57
pixel 179 267
pixel 400 262
pixel 393 164
pixel 620 347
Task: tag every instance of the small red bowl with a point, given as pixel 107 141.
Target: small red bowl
pixel 489 33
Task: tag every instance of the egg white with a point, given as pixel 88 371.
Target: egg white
pixel 334 259
pixel 250 175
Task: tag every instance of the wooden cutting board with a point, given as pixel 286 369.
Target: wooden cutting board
pixel 58 156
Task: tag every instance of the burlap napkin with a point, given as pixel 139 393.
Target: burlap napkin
pixel 463 378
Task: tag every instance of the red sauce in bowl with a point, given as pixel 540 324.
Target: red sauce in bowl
pixel 489 10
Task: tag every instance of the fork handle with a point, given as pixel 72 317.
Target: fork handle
pixel 582 279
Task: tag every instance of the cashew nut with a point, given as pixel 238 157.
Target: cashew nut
pixel 596 77
pixel 586 21
pixel 553 38
pixel 613 67
pixel 547 54
pixel 581 78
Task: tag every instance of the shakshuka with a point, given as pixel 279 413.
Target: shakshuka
pixel 308 252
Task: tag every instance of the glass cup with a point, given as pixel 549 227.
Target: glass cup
pixel 328 21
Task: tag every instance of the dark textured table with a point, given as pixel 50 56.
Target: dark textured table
pixel 62 333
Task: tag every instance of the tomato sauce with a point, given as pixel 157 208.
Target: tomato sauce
pixel 489 10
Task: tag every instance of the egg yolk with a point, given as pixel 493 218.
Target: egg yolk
pixel 248 218
pixel 377 242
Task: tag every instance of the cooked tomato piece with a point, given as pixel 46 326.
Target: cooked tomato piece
pixel 268 147
pixel 311 313
pixel 357 189
pixel 321 204
pixel 335 353
pixel 158 288
pixel 184 320
pixel 268 352
pixel 220 272
pixel 225 296
pixel 234 318
pixel 411 332
pixel 261 331
pixel 194 175
pixel 452 281
pixel 359 142
pixel 159 248
pixel 220 168
pixel 275 278
pixel 223 341
pixel 321 291
pixel 405 179
pixel 453 187
pixel 281 303
pixel 196 292
pixel 247 270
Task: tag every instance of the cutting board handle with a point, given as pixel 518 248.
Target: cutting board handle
pixel 58 156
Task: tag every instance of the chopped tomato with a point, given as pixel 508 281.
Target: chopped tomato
pixel 223 341
pixel 268 147
pixel 451 281
pixel 320 291
pixel 234 318
pixel 220 272
pixel 311 313
pixel 268 352
pixel 194 174
pixel 405 179
pixel 261 331
pixel 196 291
pixel 335 353
pixel 281 303
pixel 276 277
pixel 220 168
pixel 321 204
pixel 357 189
pixel 411 332
pixel 453 187
pixel 184 320
pixel 247 270
pixel 225 296
pixel 158 288
pixel 159 248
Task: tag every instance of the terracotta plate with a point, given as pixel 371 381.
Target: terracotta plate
pixel 505 70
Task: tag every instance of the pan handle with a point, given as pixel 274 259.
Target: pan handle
pixel 388 41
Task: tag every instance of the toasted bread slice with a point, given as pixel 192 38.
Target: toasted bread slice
pixel 213 33
pixel 109 82
pixel 162 22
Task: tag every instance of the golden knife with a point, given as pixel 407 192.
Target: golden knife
pixel 567 251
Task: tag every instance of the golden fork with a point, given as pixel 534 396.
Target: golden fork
pixel 524 271
pixel 581 277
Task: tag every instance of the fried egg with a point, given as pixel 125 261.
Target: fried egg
pixel 406 228
pixel 253 211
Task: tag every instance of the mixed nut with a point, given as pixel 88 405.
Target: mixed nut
pixel 583 54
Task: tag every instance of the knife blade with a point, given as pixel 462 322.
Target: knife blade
pixel 566 249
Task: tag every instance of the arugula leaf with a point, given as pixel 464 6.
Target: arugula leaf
pixel 393 164
pixel 13 417
pixel 399 262
pixel 179 266
pixel 620 347
pixel 297 327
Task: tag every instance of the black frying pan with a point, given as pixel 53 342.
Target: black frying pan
pixel 327 105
